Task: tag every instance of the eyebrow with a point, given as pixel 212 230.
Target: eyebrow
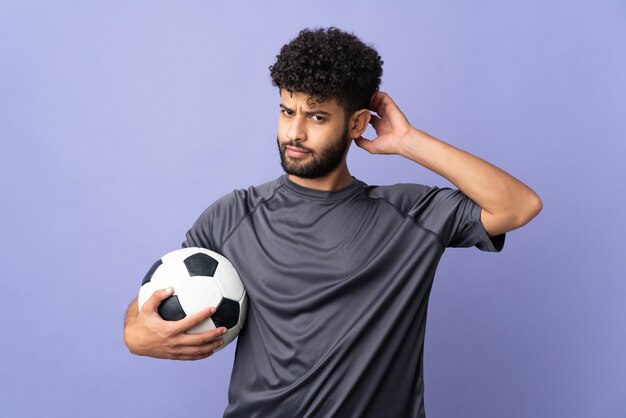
pixel 308 113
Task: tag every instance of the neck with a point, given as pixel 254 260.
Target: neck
pixel 335 180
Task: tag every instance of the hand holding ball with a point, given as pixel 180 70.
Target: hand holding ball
pixel 200 278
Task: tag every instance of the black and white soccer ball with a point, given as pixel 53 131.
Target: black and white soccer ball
pixel 200 278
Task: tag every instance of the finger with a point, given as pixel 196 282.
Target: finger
pixel 196 352
pixel 195 319
pixel 152 304
pixel 375 99
pixel 379 101
pixel 366 144
pixel 375 121
pixel 202 338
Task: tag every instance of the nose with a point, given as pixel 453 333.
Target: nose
pixel 296 131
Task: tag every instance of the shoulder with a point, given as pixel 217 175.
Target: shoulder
pixel 218 220
pixel 245 200
pixel 403 196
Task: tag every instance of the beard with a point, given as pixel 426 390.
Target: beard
pixel 319 163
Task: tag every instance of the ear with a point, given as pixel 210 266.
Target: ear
pixel 358 122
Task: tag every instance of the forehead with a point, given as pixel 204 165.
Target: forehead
pixel 306 101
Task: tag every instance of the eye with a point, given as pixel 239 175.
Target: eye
pixel 286 112
pixel 318 118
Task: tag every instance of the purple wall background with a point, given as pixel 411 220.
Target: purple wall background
pixel 121 121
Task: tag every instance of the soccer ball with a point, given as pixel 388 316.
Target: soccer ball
pixel 200 278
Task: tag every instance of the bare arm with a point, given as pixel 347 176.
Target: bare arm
pixel 147 334
pixel 506 202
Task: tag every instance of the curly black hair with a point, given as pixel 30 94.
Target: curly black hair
pixel 329 63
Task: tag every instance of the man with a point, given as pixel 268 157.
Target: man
pixel 338 273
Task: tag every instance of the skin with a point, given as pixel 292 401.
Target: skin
pixel 311 125
pixel 506 203
pixel 147 334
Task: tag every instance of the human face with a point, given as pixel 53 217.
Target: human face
pixel 312 137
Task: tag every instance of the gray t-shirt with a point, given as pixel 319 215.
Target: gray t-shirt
pixel 338 285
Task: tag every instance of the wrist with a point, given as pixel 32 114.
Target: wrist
pixel 411 142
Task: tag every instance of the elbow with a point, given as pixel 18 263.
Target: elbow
pixel 535 206
pixel 531 208
pixel 517 215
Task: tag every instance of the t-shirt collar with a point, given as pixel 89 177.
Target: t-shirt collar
pixel 322 194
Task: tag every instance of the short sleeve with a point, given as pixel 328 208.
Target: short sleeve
pixel 214 225
pixel 199 235
pixel 455 219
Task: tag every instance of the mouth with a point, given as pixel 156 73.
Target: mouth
pixel 295 152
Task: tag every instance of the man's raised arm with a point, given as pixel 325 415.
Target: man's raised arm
pixel 506 202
